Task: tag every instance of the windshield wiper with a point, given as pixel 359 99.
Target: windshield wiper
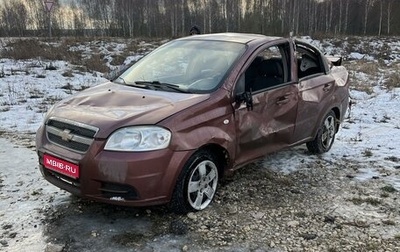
pixel 161 85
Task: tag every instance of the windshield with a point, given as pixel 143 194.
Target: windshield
pixel 187 66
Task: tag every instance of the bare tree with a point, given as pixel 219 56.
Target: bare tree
pixel 366 12
pixel 340 16
pixel 37 15
pixel 380 17
pixel 282 14
pixel 389 12
pixel 15 18
pixel 346 16
pixel 172 18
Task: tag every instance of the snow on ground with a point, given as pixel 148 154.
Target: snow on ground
pixel 368 137
pixel 28 90
pixel 23 195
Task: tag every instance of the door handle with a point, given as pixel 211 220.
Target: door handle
pixel 282 100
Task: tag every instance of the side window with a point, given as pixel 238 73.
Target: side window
pixel 308 62
pixel 268 69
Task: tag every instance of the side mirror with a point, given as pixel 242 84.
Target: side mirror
pixel 246 97
pixel 242 95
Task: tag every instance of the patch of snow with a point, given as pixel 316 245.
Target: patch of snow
pixel 117 198
pixel 23 195
pixel 356 55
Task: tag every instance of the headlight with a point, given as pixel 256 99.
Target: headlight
pixel 139 138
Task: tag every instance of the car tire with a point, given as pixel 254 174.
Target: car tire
pixel 325 135
pixel 196 185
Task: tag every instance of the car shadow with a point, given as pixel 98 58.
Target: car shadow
pixel 83 225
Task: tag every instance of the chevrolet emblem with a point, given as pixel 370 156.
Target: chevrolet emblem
pixel 66 136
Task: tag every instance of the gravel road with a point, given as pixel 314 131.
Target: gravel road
pixel 320 206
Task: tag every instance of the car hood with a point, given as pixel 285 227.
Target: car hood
pixel 110 106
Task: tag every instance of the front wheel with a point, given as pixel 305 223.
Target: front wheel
pixel 197 184
pixel 325 136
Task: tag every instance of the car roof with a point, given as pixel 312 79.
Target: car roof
pixel 243 38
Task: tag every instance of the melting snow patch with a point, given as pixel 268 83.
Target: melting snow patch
pixel 366 174
pixel 117 198
pixel 355 55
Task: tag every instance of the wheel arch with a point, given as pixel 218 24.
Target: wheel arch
pixel 178 203
pixel 323 140
pixel 220 154
pixel 336 110
pixel 321 117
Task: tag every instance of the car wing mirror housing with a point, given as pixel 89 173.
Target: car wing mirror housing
pixel 242 95
pixel 247 98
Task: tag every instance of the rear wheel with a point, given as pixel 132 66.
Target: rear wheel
pixel 197 184
pixel 325 136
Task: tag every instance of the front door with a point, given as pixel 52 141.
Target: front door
pixel 267 124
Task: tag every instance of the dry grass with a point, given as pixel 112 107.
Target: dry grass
pixel 362 86
pixel 68 73
pixel 133 46
pixel 375 71
pixel 393 81
pixel 367 153
pixel 365 66
pixel 393 78
pixel 24 49
pixel 390 74
pixel 34 49
pixel 118 60
pixel 97 63
pixel 368 67
pixel 389 189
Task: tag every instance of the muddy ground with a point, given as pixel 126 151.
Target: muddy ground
pixel 318 207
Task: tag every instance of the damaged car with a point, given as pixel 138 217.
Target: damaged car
pixel 172 125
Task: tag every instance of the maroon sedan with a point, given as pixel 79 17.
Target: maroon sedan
pixel 196 108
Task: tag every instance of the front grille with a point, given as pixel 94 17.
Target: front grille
pixel 69 134
pixel 79 130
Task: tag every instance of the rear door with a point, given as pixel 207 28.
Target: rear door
pixel 316 87
pixel 266 123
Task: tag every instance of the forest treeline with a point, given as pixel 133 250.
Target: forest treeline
pixel 173 18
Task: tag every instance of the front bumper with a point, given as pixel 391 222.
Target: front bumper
pixel 121 178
